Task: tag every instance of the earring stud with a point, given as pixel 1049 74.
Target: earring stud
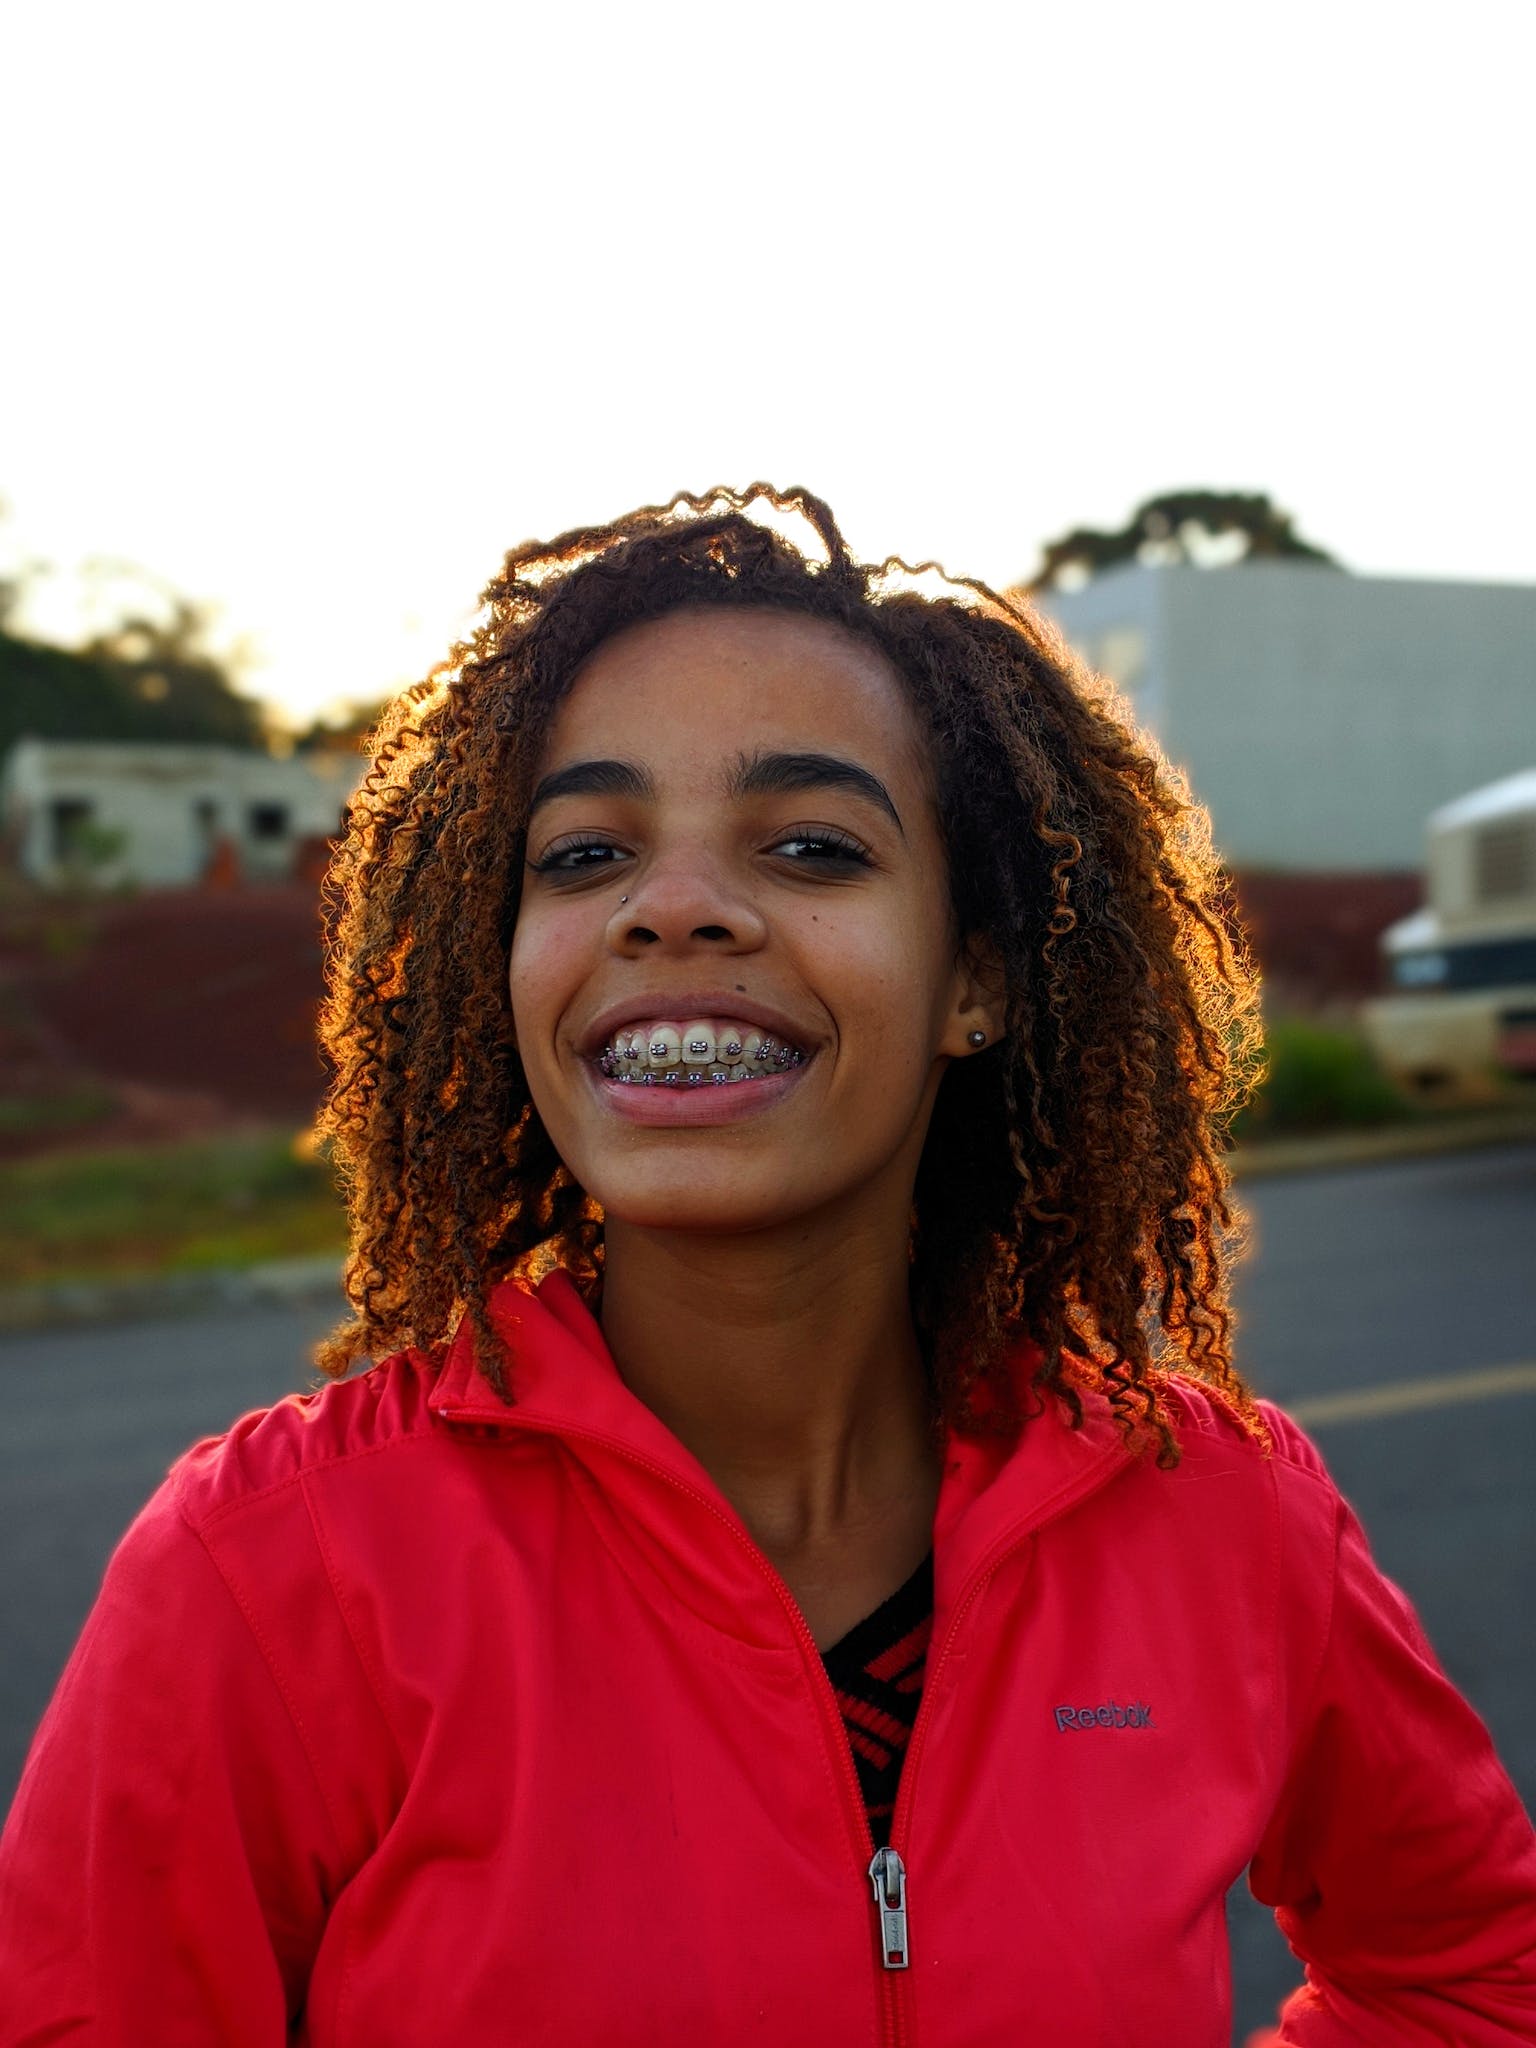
pixel 976 1038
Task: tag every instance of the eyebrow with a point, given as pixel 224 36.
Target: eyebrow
pixel 593 778
pixel 759 774
pixel 763 774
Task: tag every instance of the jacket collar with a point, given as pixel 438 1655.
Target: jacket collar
pixel 996 1490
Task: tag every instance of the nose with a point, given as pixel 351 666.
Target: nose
pixel 683 904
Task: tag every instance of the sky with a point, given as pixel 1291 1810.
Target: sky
pixel 314 310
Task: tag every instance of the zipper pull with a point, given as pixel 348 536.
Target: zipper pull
pixel 888 1875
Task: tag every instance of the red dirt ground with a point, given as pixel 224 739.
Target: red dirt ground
pixel 191 1010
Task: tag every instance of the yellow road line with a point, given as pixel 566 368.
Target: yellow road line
pixel 1401 1397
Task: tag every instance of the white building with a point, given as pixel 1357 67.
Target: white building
pixel 1321 716
pixel 126 811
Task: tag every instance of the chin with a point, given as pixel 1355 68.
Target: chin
pixel 697 1207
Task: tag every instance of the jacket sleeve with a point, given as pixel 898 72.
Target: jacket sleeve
pixel 165 1869
pixel 1399 1861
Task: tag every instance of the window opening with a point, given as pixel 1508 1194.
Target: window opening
pixel 268 821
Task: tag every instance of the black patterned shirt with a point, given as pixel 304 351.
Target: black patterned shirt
pixel 877 1674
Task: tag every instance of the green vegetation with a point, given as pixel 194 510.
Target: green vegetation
pixel 143 681
pixel 1179 526
pixel 66 1109
pixel 1321 1077
pixel 165 1209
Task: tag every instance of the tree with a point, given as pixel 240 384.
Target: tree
pixel 1199 526
pixel 142 677
pixel 181 688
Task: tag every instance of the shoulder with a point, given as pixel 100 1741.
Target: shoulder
pixel 270 1450
pixel 1212 1438
pixel 1265 1518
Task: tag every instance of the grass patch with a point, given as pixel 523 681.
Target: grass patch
pixel 165 1209
pixel 1322 1077
pixel 71 1109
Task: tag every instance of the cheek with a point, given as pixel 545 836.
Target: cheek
pixel 892 984
pixel 533 981
pixel 905 952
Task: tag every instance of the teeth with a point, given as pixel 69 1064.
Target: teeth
pixel 697 1077
pixel 629 1055
pixel 698 1044
pixel 664 1046
pixel 674 1055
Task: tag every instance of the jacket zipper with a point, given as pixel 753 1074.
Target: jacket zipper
pixel 888 1875
pixel 887 1871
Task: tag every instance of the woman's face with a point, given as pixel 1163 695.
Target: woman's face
pixel 733 840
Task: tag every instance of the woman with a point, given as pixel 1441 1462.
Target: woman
pixel 783 1028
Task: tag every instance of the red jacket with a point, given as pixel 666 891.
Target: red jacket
pixel 406 1718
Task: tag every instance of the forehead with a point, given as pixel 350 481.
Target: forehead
pixel 733 679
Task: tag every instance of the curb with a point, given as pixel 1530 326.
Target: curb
pixel 62 1304
pixel 1333 1149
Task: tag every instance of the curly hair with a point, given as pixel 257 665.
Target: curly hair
pixel 1072 1189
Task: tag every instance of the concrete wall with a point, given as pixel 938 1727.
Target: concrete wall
pixel 119 811
pixel 1320 716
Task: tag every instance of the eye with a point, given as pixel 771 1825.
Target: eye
pixel 579 853
pixel 822 846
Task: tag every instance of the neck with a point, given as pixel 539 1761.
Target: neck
pixel 787 1362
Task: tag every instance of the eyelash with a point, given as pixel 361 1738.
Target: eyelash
pixel 840 847
pixel 554 862
pixel 834 849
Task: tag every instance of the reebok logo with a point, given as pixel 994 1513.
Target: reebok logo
pixel 1110 1715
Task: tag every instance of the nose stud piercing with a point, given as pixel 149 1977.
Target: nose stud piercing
pixel 623 899
pixel 976 1038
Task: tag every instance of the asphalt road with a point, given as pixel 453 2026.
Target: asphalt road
pixel 1361 1281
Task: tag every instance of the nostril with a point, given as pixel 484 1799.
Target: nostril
pixel 710 931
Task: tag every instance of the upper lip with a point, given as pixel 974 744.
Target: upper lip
pixel 685 1005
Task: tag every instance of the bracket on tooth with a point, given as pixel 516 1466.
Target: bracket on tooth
pixel 616 1065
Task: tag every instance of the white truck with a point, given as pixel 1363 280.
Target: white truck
pixel 1460 1023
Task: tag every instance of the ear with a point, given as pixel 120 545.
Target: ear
pixel 981 998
